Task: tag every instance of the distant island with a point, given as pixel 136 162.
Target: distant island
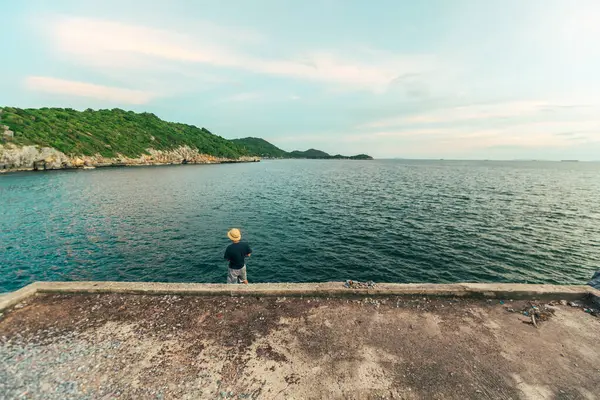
pixel 61 138
pixel 261 148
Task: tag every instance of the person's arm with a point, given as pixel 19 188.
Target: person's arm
pixel 249 251
pixel 227 254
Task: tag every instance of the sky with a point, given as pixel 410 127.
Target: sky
pixel 460 79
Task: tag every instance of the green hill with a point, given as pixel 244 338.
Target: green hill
pixel 109 132
pixel 310 153
pixel 260 147
pixel 356 157
pixel 113 132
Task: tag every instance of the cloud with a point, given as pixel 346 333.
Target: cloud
pixel 107 43
pixel 533 135
pixel 465 113
pixel 498 139
pixel 82 89
pixel 412 84
pixel 454 135
pixel 523 124
pixel 579 29
pixel 258 96
pixel 241 97
pixel 450 141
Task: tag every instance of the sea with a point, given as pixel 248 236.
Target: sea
pixel 306 221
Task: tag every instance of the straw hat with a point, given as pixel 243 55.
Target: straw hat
pixel 234 234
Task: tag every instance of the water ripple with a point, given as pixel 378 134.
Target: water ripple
pixel 395 221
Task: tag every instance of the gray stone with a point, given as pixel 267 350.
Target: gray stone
pixel 39 165
pixel 15 157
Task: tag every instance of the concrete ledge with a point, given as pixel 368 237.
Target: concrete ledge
pixel 12 298
pixel 328 289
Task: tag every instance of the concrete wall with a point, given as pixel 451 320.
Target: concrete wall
pixel 328 289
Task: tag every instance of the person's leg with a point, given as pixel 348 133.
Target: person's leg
pixel 242 276
pixel 232 276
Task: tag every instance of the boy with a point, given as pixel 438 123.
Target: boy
pixel 236 253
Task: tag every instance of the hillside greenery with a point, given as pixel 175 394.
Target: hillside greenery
pixel 262 148
pixel 113 132
pixel 310 153
pixel 109 132
pixel 356 157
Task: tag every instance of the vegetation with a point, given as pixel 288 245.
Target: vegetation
pixel 109 132
pixel 113 132
pixel 310 153
pixel 356 157
pixel 262 148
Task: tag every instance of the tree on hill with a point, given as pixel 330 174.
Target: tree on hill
pixel 110 132
pixel 310 153
pixel 260 147
pixel 113 132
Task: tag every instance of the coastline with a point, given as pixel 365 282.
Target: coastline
pixel 122 165
pixel 33 158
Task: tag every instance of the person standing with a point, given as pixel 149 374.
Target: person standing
pixel 236 254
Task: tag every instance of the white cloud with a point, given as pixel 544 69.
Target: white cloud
pixel 452 139
pixel 241 97
pixel 465 113
pixel 399 133
pixel 579 30
pixel 107 43
pixel 258 96
pixel 82 89
pixel 515 124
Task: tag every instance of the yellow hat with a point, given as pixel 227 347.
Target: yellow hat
pixel 234 234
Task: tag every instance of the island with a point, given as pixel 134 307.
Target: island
pixel 63 138
pixel 261 148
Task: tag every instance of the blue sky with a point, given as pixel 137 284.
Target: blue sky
pixel 473 79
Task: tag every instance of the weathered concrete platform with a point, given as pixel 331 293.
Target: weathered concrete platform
pixel 482 290
pixel 301 341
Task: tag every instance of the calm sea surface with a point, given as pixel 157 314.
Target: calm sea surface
pixel 388 220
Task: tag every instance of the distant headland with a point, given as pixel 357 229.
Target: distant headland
pixel 62 138
pixel 261 148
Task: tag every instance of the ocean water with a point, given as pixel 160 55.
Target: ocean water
pixel 306 220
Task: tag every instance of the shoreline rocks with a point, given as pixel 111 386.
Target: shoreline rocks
pixel 33 158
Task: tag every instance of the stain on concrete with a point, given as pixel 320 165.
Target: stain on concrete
pixel 173 347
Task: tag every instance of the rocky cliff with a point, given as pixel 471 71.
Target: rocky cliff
pixel 30 158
